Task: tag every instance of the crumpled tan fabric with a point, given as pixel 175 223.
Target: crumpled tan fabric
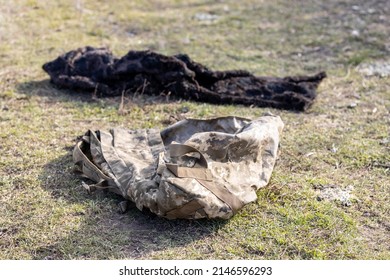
pixel 192 169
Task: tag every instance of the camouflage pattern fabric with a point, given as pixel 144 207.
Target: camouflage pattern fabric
pixel 192 169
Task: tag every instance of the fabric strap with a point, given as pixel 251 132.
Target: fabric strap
pixel 86 166
pixel 202 174
pixel 223 194
pixel 201 170
pixel 184 212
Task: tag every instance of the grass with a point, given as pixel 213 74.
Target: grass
pixel 46 214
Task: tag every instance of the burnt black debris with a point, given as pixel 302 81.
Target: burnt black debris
pixel 97 69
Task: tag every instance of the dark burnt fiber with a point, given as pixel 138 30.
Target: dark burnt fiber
pixel 96 69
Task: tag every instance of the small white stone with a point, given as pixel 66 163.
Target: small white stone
pixel 355 33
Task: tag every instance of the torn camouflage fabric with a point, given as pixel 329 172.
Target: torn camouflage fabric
pixel 192 169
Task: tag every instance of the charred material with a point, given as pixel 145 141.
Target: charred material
pixel 96 69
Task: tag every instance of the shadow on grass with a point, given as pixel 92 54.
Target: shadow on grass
pixel 104 232
pixel 44 88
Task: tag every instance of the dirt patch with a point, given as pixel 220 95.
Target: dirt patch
pixel 146 72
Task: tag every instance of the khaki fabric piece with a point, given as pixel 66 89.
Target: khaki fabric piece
pixel 190 170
